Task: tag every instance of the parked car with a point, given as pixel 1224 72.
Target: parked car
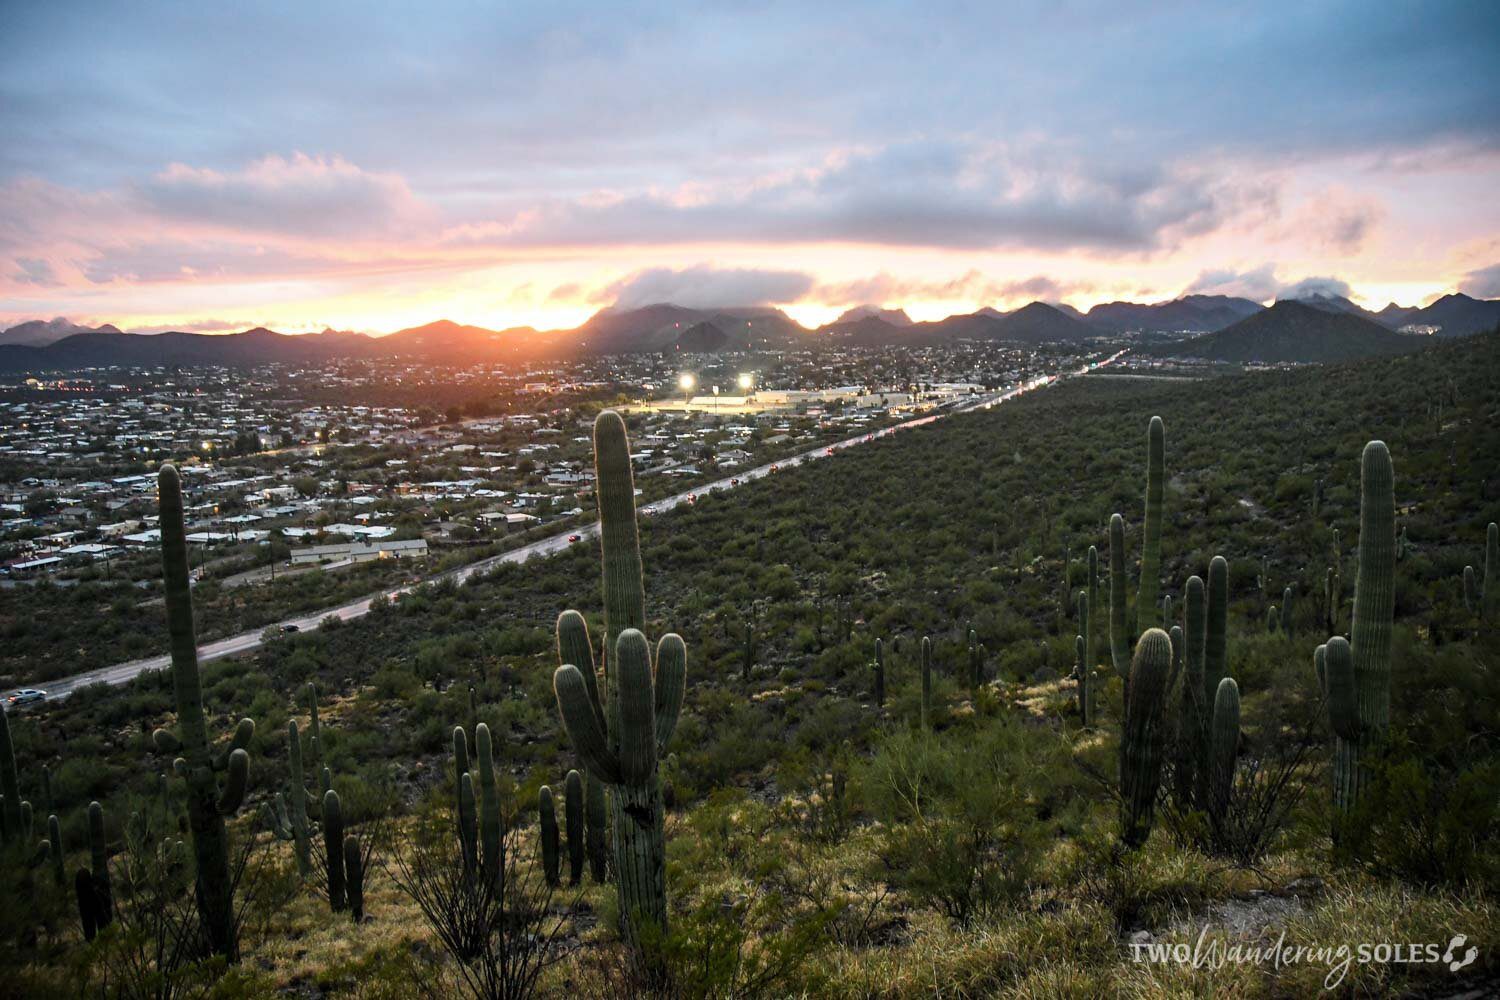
pixel 26 696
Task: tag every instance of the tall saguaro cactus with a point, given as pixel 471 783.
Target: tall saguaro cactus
pixel 621 736
pixel 1156 451
pixel 1090 650
pixel 1359 671
pixel 10 785
pixel 1119 638
pixel 198 764
pixel 926 682
pixel 1490 596
pixel 1144 736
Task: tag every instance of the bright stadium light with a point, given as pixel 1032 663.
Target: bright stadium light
pixel 686 382
pixel 746 381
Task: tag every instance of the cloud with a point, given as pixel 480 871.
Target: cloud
pixel 948 194
pixel 705 286
pixel 35 271
pixel 1482 283
pixel 1257 284
pixel 972 286
pixel 1314 286
pixel 304 195
pixel 1261 284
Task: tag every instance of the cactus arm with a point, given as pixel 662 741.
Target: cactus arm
pixel 1320 668
pixel 671 681
pixel 582 725
pixel 1343 707
pixel 237 774
pixel 574 646
pixel 243 734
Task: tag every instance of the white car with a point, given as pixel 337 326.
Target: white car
pixel 25 696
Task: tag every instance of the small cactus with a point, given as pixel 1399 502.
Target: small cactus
pixel 1273 623
pixel 55 850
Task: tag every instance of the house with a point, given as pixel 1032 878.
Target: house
pixel 361 551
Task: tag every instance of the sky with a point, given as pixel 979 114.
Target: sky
pixel 374 165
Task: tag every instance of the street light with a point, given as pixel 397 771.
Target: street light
pixel 685 382
pixel 746 381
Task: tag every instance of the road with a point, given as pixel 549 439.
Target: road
pixel 247 641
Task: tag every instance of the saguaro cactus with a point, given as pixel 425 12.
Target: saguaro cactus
pixel 1359 671
pixel 879 671
pixel 573 818
pixel 551 848
pixel 10 785
pixel 620 738
pixel 491 823
pixel 1490 596
pixel 1224 744
pixel 198 765
pixel 1216 632
pixel 926 682
pixel 1156 451
pixel 1273 622
pixel 1090 650
pixel 55 850
pixel 1119 638
pixel 1286 610
pixel 1144 735
pixel 333 845
pixel 1081 674
pixel 289 820
pixel 354 877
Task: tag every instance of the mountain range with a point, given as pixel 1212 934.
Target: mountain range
pixel 1310 329
pixel 1293 331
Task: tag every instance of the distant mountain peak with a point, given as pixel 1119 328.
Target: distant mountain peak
pixel 895 317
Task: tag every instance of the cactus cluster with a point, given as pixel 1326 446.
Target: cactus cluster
pixel 1357 672
pixel 620 736
pixel 197 763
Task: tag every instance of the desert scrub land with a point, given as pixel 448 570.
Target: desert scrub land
pixel 970 833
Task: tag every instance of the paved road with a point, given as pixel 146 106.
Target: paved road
pixel 246 641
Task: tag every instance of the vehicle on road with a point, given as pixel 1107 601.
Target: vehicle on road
pixel 734 482
pixel 290 628
pixel 26 696
pixel 575 538
pixel 692 498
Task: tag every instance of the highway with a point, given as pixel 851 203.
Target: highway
pixel 247 641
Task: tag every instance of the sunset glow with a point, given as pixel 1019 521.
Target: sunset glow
pixel 506 204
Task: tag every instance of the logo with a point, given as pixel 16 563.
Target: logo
pixel 1458 942
pixel 1216 952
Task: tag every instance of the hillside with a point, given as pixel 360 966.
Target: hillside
pixel 1293 332
pixel 784 826
pixel 1191 313
pixel 40 332
pixel 782 772
pixel 1040 323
